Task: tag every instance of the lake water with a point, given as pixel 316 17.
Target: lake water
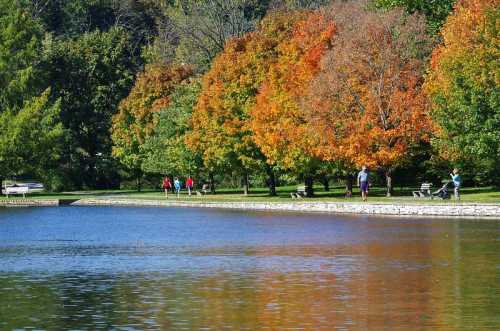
pixel 194 269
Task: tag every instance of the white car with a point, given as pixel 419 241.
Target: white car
pixel 23 188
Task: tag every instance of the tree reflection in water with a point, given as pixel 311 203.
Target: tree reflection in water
pixel 431 274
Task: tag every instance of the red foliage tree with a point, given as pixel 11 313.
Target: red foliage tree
pixel 366 106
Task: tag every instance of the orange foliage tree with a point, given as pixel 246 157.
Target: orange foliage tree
pixel 277 119
pixel 366 106
pixel 135 119
pixel 220 120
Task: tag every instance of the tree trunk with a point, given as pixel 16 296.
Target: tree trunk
pixel 1 185
pixel 349 182
pixel 326 184
pixel 309 186
pixel 271 181
pixel 138 181
pixel 388 179
pixel 212 183
pixel 245 184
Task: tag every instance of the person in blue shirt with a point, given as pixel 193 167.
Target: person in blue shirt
pixel 177 185
pixel 457 181
pixel 363 182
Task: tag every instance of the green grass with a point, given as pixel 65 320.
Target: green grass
pixel 336 194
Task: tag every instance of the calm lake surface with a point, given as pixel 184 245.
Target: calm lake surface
pixel 194 269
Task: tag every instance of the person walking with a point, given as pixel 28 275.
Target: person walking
pixel 457 182
pixel 189 185
pixel 177 185
pixel 167 185
pixel 363 182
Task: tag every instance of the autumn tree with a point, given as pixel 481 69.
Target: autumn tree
pixel 136 119
pixel 221 119
pixel 464 85
pixel 367 106
pixel 277 119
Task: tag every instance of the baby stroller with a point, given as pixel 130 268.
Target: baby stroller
pixel 442 193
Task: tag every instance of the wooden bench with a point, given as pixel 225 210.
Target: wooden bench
pixel 11 190
pixel 424 192
pixel 301 192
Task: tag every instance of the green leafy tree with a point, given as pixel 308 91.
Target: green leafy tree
pixel 136 120
pixel 20 44
pixel 464 85
pixel 436 11
pixel 29 129
pixel 30 139
pixel 165 149
pixel 72 18
pixel 91 75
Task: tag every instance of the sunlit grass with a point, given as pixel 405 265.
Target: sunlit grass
pixel 336 194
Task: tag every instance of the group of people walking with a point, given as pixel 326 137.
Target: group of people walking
pixel 167 185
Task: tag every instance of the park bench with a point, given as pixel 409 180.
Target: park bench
pixel 11 190
pixel 424 192
pixel 301 192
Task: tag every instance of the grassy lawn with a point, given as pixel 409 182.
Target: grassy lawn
pixel 336 194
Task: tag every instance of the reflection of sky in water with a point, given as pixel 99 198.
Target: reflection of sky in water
pixel 192 269
pixel 120 260
pixel 169 240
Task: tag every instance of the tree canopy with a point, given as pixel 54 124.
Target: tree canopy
pixel 30 131
pixel 277 117
pixel 464 85
pixel 436 11
pixel 366 105
pixel 91 75
pixel 243 89
pixel 136 118
pixel 165 148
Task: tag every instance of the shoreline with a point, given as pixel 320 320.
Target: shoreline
pixel 456 210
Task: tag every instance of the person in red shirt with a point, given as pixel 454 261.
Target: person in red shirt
pixel 167 185
pixel 189 185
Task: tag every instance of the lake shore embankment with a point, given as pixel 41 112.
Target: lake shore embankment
pixel 354 208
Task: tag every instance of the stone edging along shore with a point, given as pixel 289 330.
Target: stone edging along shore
pixel 399 209
pixel 393 209
pixel 29 203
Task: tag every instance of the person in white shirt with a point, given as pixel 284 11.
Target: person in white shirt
pixel 363 182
